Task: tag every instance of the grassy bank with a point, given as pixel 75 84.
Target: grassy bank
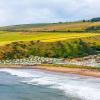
pixel 60 49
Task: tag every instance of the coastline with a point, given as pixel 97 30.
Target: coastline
pixel 79 71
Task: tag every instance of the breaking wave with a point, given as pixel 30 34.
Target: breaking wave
pixel 86 88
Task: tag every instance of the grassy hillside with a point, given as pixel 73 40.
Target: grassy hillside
pixel 80 26
pixel 48 44
pixel 60 49
pixel 63 40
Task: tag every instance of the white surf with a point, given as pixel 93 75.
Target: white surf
pixel 86 88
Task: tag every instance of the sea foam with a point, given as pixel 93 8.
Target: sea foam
pixel 86 88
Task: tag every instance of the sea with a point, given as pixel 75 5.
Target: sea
pixel 35 84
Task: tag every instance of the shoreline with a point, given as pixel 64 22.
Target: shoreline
pixel 78 71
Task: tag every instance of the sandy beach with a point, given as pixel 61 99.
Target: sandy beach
pixel 85 72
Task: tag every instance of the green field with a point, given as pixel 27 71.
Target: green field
pixel 8 37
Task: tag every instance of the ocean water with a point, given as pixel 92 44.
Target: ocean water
pixel 32 84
